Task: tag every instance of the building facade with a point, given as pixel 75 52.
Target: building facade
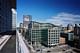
pixel 35 37
pixel 70 27
pixel 7 17
pixel 39 25
pixel 77 36
pixel 44 33
pixel 26 20
pixel 14 13
pixel 50 37
pixel 62 40
pixel 70 36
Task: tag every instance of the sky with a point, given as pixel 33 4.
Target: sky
pixel 58 12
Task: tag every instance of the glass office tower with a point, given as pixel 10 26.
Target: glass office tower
pixel 7 16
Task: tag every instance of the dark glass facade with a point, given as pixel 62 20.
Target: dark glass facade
pixel 6 16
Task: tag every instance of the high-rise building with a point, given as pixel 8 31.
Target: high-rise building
pixel 7 16
pixel 26 20
pixel 35 31
pixel 79 36
pixel 76 30
pixel 43 33
pixel 73 37
pixel 14 13
pixel 21 25
pixel 70 27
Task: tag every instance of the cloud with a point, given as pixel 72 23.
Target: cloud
pixel 64 19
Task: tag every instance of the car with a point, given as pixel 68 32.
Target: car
pixel 48 51
pixel 38 50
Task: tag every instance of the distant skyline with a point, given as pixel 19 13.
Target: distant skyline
pixel 51 11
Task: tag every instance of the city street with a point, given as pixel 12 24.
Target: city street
pixel 21 45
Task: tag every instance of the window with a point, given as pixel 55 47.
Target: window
pixel 0 3
pixel 0 8
pixel 0 16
